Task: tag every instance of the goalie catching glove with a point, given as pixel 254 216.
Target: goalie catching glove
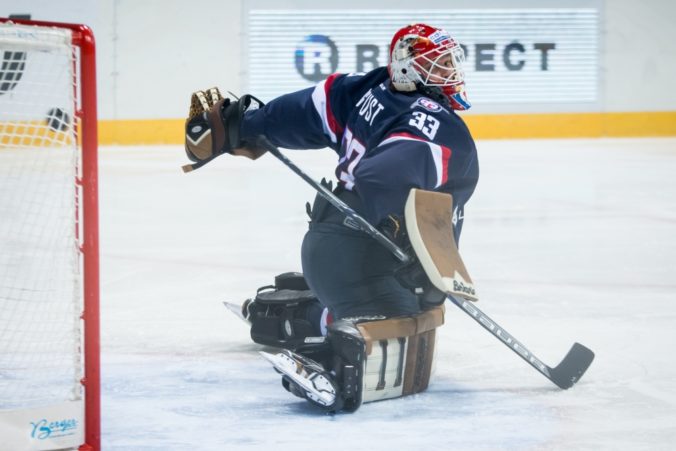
pixel 213 127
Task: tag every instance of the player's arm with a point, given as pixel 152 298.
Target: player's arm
pixel 311 118
pixel 300 120
pixel 289 121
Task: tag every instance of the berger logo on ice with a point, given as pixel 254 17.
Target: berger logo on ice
pixel 316 57
pixel 44 429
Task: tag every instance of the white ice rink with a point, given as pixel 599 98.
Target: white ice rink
pixel 571 240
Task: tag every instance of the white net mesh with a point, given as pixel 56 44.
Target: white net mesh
pixel 40 286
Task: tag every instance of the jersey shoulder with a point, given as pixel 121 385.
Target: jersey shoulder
pixel 432 121
pixel 343 91
pixel 358 81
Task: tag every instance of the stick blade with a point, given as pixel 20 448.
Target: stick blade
pixel 572 367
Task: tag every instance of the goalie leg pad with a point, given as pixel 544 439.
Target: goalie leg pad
pixel 363 362
pixel 399 354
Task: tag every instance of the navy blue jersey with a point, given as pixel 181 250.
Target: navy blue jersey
pixel 387 141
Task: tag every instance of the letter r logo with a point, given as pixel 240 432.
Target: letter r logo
pixel 316 57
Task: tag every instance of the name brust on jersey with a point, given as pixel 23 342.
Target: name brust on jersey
pixel 369 107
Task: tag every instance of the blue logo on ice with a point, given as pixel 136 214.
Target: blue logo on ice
pixel 44 429
pixel 316 57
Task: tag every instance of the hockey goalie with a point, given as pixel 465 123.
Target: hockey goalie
pixel 359 325
pixel 380 256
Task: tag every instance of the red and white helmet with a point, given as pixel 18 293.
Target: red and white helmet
pixel 428 59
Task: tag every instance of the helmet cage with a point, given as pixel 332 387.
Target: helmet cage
pixel 428 59
pixel 440 66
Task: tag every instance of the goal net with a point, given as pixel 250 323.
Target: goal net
pixel 48 250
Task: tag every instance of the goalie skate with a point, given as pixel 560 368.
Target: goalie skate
pixel 238 310
pixel 305 378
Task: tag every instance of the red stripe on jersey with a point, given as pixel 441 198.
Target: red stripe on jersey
pixel 405 135
pixel 445 158
pixel 331 119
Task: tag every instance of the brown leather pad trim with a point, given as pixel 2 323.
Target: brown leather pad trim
pixel 401 327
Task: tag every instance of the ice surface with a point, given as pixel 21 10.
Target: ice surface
pixel 571 240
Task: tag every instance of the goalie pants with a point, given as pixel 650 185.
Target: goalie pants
pixel 350 272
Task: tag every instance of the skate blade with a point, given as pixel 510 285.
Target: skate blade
pixel 289 367
pixel 237 310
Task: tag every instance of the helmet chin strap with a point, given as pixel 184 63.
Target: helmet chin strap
pixel 435 93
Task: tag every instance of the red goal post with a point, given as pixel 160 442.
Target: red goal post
pixel 25 134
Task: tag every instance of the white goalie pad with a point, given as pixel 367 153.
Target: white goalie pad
pixel 399 354
pixel 430 229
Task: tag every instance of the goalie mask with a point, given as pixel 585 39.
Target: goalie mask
pixel 428 59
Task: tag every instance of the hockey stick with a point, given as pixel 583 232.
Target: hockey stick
pixel 564 375
pixel 357 220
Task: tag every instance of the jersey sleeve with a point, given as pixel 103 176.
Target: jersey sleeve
pixel 308 119
pixel 289 121
pixel 311 118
